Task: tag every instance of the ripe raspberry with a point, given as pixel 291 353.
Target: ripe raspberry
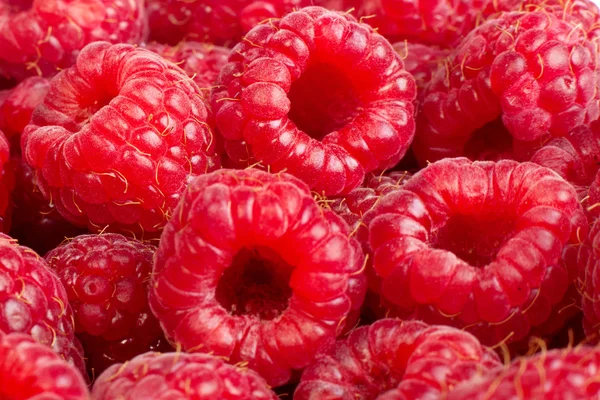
pixel 118 137
pixel 535 70
pixel 29 370
pixel 220 22
pixel 35 222
pixel 34 301
pixel 420 60
pixel 477 245
pixel 593 198
pixel 16 110
pixel 252 269
pixel 180 376
pixel 319 95
pixel 7 184
pixel 106 278
pixel 43 36
pixel 570 373
pixel 201 61
pixel 588 283
pixel 394 359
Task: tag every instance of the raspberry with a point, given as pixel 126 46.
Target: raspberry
pixel 201 61
pixel 252 269
pixel 43 36
pixel 570 373
pixel 106 281
pixel 588 261
pixel 477 245
pixel 34 301
pixel 324 109
pixel 7 184
pixel 534 70
pixel 593 200
pixel 219 22
pixel 393 359
pixel 180 376
pixel 35 222
pixel 29 370
pixel 420 60
pixel 118 137
pixel 16 110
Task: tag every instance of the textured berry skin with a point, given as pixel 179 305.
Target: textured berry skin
pixel 588 261
pixel 394 359
pixel 535 70
pixel 212 21
pixel 7 184
pixel 29 370
pixel 420 60
pixel 39 37
pixel 106 278
pixel 35 222
pixel 319 95
pixel 33 301
pixel 16 110
pixel 477 245
pixel 570 373
pixel 252 269
pixel 155 376
pixel 201 61
pixel 118 137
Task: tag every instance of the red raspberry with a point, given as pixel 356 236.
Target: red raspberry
pixel 35 222
pixel 7 184
pixel 252 269
pixel 34 301
pixel 588 261
pixel 319 95
pixel 29 370
pixel 420 60
pixel 118 137
pixel 212 21
pixel 43 36
pixel 533 69
pixel 394 359
pixel 477 245
pixel 106 278
pixel 154 376
pixel 570 373
pixel 16 110
pixel 201 61
pixel 593 198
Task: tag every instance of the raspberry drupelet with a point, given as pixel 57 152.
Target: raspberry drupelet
pixel 155 376
pixel 118 137
pixel 319 95
pixel 7 184
pixel 16 110
pixel 588 283
pixel 32 371
pixel 569 373
pixel 201 61
pixel 393 359
pixel 533 72
pixel 478 245
pixel 106 278
pixel 421 60
pixel 222 22
pixel 41 37
pixel 33 301
pixel 252 269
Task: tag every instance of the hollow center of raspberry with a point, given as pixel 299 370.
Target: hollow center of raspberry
pixel 257 283
pixel 323 100
pixel 19 5
pixel 475 240
pixel 87 110
pixel 491 142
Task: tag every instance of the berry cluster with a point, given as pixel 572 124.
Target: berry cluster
pixel 324 200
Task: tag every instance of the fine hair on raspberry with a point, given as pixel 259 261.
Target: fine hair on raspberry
pixel 118 137
pixel 477 245
pixel 319 95
pixel 252 269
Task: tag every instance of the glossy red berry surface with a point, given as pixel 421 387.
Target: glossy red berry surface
pixel 588 282
pixel 477 245
pixel 40 37
pixel 155 376
pixel 106 278
pixel 201 61
pixel 535 71
pixel 252 269
pixel 33 301
pixel 32 371
pixel 394 359
pixel 570 373
pixel 17 107
pixel 117 139
pixel 319 95
pixel 7 184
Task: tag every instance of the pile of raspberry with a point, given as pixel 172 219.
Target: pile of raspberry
pixel 317 200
